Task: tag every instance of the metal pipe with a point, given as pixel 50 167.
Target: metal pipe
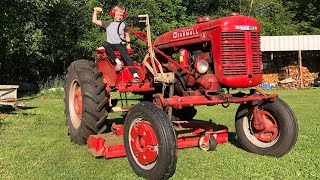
pixel 171 93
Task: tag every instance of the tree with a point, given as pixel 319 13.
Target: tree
pixel 307 15
pixel 275 17
pixel 39 39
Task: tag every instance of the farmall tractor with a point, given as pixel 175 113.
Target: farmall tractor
pixel 181 69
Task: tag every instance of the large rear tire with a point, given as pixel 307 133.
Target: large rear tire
pixel 150 142
pixel 85 101
pixel 277 115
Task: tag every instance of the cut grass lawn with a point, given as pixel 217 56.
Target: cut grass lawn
pixel 34 145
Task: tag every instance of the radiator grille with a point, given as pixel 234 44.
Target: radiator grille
pixel 256 53
pixel 256 63
pixel 233 42
pixel 233 53
pixel 255 41
pixel 233 49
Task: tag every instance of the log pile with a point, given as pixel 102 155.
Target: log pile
pixel 307 77
pixel 270 75
pixel 288 77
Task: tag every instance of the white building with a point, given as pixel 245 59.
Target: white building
pixel 303 50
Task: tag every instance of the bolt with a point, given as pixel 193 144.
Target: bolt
pixel 260 126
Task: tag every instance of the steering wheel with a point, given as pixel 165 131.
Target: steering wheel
pixel 131 19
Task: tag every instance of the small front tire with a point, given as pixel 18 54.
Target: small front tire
pixel 150 142
pixel 211 145
pixel 279 140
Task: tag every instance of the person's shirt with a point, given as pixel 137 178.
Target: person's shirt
pixel 112 31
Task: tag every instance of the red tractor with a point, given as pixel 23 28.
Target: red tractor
pixel 186 67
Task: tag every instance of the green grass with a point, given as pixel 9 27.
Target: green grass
pixel 34 145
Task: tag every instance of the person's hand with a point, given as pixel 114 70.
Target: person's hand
pixel 98 9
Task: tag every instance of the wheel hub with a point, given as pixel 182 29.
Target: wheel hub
pixel 267 128
pixel 77 101
pixel 144 142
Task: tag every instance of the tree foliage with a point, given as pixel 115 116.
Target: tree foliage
pixel 275 18
pixel 307 15
pixel 40 38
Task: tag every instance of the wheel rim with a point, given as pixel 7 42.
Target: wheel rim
pixel 262 138
pixel 143 144
pixel 75 104
pixel 206 148
pixel 270 127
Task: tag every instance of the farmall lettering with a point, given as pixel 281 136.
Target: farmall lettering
pixel 185 33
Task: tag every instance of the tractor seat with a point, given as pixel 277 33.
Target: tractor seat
pixel 102 50
pixel 117 53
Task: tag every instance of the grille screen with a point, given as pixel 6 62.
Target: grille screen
pixel 234 58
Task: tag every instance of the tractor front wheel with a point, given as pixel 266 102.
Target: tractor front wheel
pixel 150 142
pixel 85 101
pixel 275 133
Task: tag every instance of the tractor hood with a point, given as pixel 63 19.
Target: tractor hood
pixel 202 32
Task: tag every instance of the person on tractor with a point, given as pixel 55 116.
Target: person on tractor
pixel 114 41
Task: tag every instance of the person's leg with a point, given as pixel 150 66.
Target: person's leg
pixel 109 50
pixel 124 54
pixel 126 57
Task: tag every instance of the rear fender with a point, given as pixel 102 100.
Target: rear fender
pixel 108 71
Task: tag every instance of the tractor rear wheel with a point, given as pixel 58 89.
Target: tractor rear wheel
pixel 150 142
pixel 85 101
pixel 278 132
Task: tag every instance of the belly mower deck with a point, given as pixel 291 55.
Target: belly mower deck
pixel 204 134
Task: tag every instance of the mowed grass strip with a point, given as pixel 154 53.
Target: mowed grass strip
pixel 34 145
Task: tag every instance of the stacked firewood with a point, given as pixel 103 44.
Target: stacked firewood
pixel 270 76
pixel 307 77
pixel 288 77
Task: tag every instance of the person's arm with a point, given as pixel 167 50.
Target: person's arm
pixel 95 20
pixel 128 40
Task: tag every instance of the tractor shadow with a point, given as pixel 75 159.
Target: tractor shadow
pixel 232 139
pixel 113 121
pixel 232 136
